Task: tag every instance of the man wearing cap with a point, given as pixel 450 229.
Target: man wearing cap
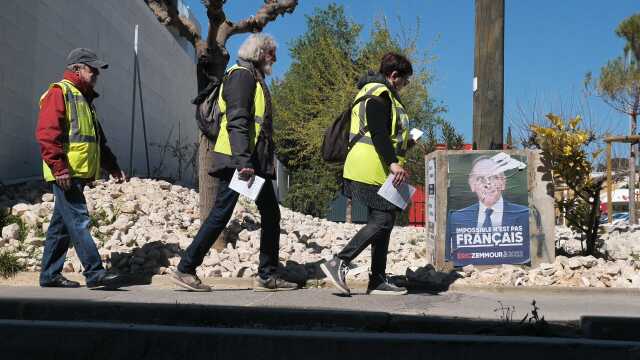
pixel 73 149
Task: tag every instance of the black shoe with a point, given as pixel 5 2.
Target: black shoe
pixel 61 282
pixel 107 281
pixel 273 283
pixel 380 285
pixel 336 270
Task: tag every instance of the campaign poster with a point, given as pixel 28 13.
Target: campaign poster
pixel 487 210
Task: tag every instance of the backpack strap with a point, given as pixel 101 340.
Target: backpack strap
pixel 365 128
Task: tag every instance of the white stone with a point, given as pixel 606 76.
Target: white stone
pixel 20 209
pixel 574 263
pixel 10 232
pixel 29 218
pixel 547 269
pixel 34 241
pixel 164 185
pixel 122 223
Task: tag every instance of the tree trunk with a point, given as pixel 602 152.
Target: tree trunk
pixel 348 213
pixel 632 174
pixel 213 58
pixel 594 224
pixel 207 185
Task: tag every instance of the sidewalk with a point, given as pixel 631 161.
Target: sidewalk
pixel 476 303
pixel 158 321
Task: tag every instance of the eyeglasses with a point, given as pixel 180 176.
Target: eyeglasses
pixel 488 180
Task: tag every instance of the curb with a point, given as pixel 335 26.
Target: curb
pixel 49 339
pixel 222 316
pixel 160 281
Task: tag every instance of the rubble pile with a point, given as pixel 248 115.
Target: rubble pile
pixel 144 225
pixel 616 242
pixel 578 271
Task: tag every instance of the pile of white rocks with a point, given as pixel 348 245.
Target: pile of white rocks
pixel 143 226
pixel 618 242
pixel 578 271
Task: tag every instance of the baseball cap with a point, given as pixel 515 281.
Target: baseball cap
pixel 85 56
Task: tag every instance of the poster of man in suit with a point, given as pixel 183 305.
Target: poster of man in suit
pixel 488 210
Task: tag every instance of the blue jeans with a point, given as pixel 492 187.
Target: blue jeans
pixel 70 222
pixel 219 217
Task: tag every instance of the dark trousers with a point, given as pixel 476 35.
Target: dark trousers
pixel 376 233
pixel 70 223
pixel 219 217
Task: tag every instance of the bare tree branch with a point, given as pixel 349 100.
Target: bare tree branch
pixel 213 57
pixel 267 13
pixel 167 14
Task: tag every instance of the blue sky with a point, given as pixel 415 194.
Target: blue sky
pixel 549 46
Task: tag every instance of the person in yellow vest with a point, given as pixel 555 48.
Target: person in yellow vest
pixel 73 149
pixel 382 120
pixel 244 144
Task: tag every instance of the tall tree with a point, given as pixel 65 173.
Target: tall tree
pixel 619 86
pixel 318 85
pixel 213 59
pixel 321 83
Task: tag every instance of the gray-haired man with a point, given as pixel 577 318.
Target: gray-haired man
pixel 244 144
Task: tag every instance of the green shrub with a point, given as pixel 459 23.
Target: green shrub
pixel 10 265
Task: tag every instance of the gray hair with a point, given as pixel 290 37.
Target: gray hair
pixel 255 45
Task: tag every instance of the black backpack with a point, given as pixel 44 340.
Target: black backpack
pixel 208 116
pixel 335 143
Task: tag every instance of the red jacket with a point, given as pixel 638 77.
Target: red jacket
pixel 52 129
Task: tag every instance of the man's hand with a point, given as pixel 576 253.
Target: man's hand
pixel 119 176
pixel 400 175
pixel 246 174
pixel 64 181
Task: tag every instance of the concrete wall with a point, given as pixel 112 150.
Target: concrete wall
pixel 35 38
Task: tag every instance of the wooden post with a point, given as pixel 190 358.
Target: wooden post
pixel 488 95
pixel 609 185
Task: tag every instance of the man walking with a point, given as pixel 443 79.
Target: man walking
pixel 73 149
pixel 244 144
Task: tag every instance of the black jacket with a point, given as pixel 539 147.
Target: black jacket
pixel 238 92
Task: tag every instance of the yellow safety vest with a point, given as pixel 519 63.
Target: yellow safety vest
pixel 363 164
pixel 82 146
pixel 223 144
